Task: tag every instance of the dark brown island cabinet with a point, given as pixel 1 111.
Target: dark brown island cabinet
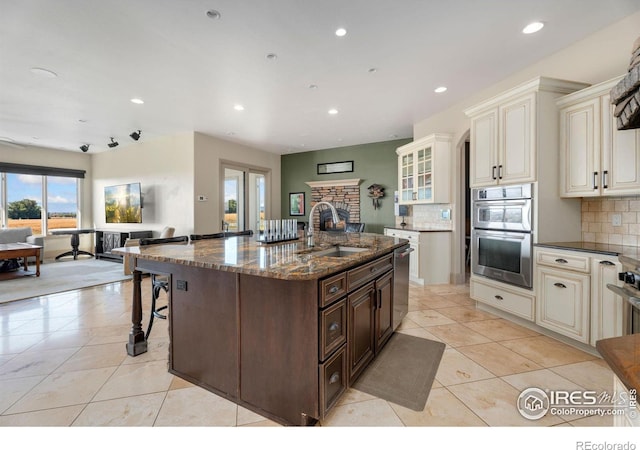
pixel 284 348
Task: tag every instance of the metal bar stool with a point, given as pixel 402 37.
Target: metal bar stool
pixel 159 282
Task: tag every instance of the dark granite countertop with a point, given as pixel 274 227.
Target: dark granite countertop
pixel 626 253
pixel 291 260
pixel 622 354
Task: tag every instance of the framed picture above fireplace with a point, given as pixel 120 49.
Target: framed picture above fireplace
pixel 335 167
pixel 296 203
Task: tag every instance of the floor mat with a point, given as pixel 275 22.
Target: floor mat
pixel 404 371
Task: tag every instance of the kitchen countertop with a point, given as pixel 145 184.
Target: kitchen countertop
pixel 622 354
pixel 626 253
pixel 292 260
pixel 419 229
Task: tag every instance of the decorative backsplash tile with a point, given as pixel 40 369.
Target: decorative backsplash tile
pixel 611 220
pixel 428 216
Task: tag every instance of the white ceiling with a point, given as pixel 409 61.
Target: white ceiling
pixel 191 70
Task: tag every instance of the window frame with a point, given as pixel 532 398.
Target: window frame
pixel 37 170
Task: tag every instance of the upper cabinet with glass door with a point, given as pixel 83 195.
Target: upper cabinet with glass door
pixel 423 170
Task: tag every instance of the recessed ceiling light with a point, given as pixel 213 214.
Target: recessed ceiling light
pixel 341 32
pixel 313 86
pixel 533 27
pixel 373 70
pixel 82 120
pixel 333 111
pixel 440 90
pixel 213 14
pixel 137 101
pixel 46 73
pixel 238 107
pixel 272 56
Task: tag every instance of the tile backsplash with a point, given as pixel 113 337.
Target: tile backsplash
pixel 611 220
pixel 429 217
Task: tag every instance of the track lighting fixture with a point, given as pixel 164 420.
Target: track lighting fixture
pixel 136 135
pixel 112 143
pixel 84 148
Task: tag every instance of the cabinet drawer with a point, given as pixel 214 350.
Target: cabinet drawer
pixel 509 301
pixel 412 236
pixel 361 275
pixel 332 289
pixel 333 328
pixel 333 379
pixel 565 261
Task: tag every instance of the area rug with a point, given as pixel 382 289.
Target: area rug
pixel 404 371
pixel 59 277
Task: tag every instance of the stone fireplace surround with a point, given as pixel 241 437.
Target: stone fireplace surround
pixel 343 194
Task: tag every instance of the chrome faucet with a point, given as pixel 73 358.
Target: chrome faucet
pixel 334 213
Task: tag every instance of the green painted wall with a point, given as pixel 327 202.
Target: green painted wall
pixel 372 163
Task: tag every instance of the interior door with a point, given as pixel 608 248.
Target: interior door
pixel 245 197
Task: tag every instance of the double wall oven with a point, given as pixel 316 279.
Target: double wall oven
pixel 501 234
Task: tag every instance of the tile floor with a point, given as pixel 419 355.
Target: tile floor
pixel 63 363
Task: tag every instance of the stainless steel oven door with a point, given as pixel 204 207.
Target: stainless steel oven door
pixel 513 215
pixel 502 256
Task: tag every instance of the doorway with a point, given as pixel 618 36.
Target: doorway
pixel 462 231
pixel 245 196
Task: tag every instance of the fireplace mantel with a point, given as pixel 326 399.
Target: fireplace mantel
pixel 331 183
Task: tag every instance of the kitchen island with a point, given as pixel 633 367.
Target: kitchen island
pixel 282 329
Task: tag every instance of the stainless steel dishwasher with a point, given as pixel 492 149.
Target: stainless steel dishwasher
pixel 401 257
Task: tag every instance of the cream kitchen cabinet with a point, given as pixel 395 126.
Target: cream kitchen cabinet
pixel 563 302
pixel 596 158
pixel 606 307
pixel 572 295
pixel 424 170
pixel 430 260
pixel 414 258
pixel 511 299
pixel 511 133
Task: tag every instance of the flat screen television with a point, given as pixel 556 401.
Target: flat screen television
pixel 123 203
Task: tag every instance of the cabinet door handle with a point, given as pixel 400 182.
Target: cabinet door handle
pixel 498 297
pixel 373 269
pixel 604 179
pixel 334 326
pixel 595 177
pixel 493 172
pixel 607 263
pixel 333 289
pixel 334 378
pixel 560 285
pixel 562 261
pixel 500 172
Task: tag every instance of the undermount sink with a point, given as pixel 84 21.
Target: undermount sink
pixel 339 251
